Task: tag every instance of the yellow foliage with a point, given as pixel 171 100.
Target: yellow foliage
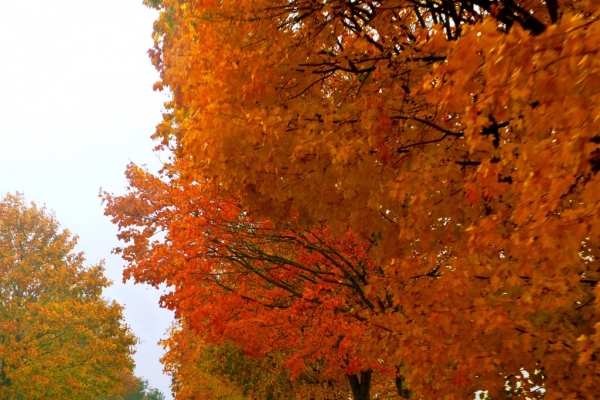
pixel 59 338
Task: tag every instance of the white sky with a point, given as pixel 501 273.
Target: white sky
pixel 76 104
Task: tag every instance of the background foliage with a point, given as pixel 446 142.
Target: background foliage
pixel 58 337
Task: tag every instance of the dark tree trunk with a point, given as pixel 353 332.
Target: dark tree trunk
pixel 403 391
pixel 552 6
pixel 361 387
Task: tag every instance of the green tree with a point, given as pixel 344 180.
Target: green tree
pixel 59 338
pixel 155 394
pixel 134 388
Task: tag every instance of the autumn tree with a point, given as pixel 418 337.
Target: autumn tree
pixel 298 293
pixel 134 388
pixel 59 338
pixel 188 365
pixel 205 371
pixel 462 135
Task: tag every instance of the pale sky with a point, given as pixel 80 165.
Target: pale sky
pixel 76 105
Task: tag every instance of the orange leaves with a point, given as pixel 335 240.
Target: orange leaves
pixel 472 194
pixel 240 279
pixel 460 379
pixel 459 150
pixel 158 86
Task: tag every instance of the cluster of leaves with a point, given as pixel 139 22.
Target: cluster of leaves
pixel 59 338
pixel 300 292
pixel 134 388
pixel 202 371
pixel 443 157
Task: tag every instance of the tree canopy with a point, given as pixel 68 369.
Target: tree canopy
pixel 203 371
pixel 242 280
pixel 59 338
pixel 448 151
pixel 134 388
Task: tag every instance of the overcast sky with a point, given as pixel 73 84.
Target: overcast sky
pixel 76 105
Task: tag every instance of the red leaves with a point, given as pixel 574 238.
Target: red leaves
pixel 241 279
pixel 460 379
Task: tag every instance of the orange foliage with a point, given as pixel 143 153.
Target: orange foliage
pixel 457 141
pixel 239 279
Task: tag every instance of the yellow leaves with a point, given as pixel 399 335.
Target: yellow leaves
pixel 437 40
pixel 65 339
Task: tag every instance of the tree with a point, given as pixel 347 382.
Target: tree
pixel 205 371
pixel 134 388
pixel 296 293
pixel 186 363
pixel 155 394
pixel 59 338
pixel 462 135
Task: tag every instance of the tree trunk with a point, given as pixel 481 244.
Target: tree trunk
pixel 361 387
pixel 403 391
